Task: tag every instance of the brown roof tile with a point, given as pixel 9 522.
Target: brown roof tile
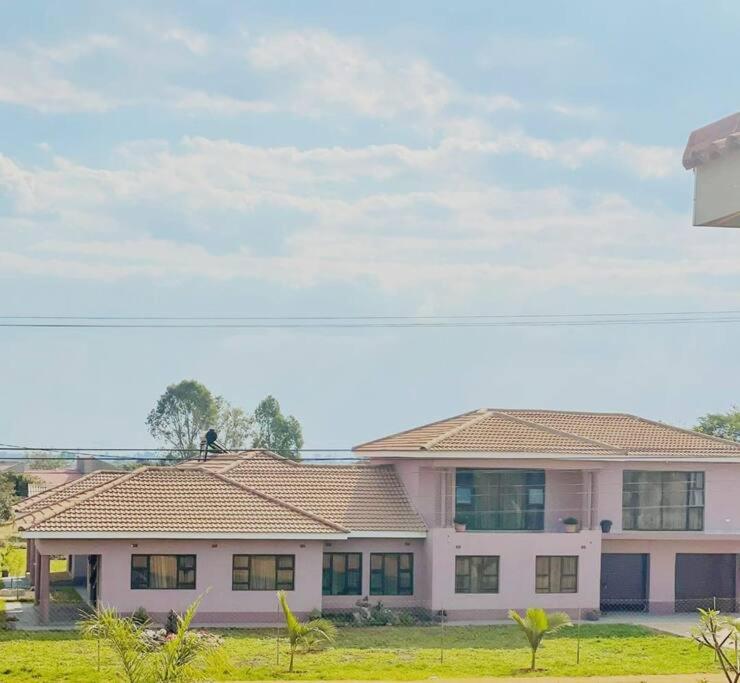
pixel 553 432
pixel 64 491
pixel 358 497
pixel 176 500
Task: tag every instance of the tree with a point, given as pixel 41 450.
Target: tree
pixel 304 633
pixel 536 624
pixel 8 498
pixel 276 432
pixel 233 425
pixel 725 425
pixel 44 461
pixel 182 415
pixel 718 633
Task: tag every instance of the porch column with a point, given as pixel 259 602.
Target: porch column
pixel 36 570
pixel 30 558
pixel 42 588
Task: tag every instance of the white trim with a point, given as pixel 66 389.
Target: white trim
pixel 134 535
pixel 483 455
pixel 388 534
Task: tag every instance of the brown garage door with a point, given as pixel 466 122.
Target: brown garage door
pixel 706 581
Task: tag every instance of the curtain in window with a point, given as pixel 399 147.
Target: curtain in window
pixel 262 573
pixel 163 571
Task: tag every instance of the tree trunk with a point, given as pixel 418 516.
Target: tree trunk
pixel 290 666
pixel 534 659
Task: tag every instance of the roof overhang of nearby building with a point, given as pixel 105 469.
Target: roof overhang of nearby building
pixel 388 534
pixel 171 535
pixel 713 152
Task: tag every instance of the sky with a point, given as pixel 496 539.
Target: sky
pixel 368 158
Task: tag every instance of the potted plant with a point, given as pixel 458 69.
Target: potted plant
pixel 571 525
pixel 606 525
pixel 460 524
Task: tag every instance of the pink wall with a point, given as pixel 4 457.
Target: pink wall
pixel 662 565
pixel 721 484
pixel 221 604
pixel 378 545
pixel 516 571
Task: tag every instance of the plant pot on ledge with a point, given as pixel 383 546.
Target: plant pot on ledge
pixel 571 525
pixel 460 525
pixel 606 526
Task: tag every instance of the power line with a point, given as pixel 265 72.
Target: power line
pixel 372 321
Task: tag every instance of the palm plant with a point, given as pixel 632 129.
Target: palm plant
pixel 142 659
pixel 536 624
pixel 306 633
pixel 125 637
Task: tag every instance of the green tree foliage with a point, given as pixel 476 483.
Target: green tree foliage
pixel 304 633
pixel 276 432
pixel 536 624
pixel 233 425
pixel 184 412
pixel 725 425
pixel 13 486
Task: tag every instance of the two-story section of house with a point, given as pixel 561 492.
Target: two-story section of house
pixel 656 511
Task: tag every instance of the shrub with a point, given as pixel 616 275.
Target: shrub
pixel 307 634
pixel 140 617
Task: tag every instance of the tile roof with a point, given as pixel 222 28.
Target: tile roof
pixel 553 432
pixel 64 491
pixel 712 141
pixel 53 478
pixel 358 497
pixel 170 500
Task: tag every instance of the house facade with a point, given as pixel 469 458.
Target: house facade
pixel 470 515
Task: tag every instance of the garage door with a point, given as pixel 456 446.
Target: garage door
pixel 705 580
pixel 624 581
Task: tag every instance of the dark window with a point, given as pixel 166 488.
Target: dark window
pixel 391 574
pixel 662 501
pixel 263 572
pixel 476 574
pixel 342 574
pixel 500 500
pixel 556 574
pixel 162 571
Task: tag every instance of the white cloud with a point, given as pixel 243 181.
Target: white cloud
pixel 32 82
pixel 196 42
pixel 576 111
pixel 198 101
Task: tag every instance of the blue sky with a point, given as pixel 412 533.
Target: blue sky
pixel 293 158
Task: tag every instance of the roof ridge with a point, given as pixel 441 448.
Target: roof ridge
pixel 481 415
pixel 273 499
pixel 43 495
pixel 561 432
pixel 249 455
pixel 413 429
pixel 79 498
pixel 727 442
pixel 555 410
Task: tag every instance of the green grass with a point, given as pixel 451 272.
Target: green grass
pixel 392 653
pixel 65 595
pixel 17 562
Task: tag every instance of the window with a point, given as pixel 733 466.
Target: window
pixel 476 574
pixel 342 574
pixel 662 501
pixel 162 571
pixel 556 574
pixel 391 574
pixel 263 572
pixel 500 500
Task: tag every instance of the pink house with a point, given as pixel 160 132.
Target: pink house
pixel 473 515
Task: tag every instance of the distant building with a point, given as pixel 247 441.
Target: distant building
pixel 713 152
pixel 43 479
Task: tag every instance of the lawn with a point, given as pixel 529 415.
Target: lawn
pixel 392 653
